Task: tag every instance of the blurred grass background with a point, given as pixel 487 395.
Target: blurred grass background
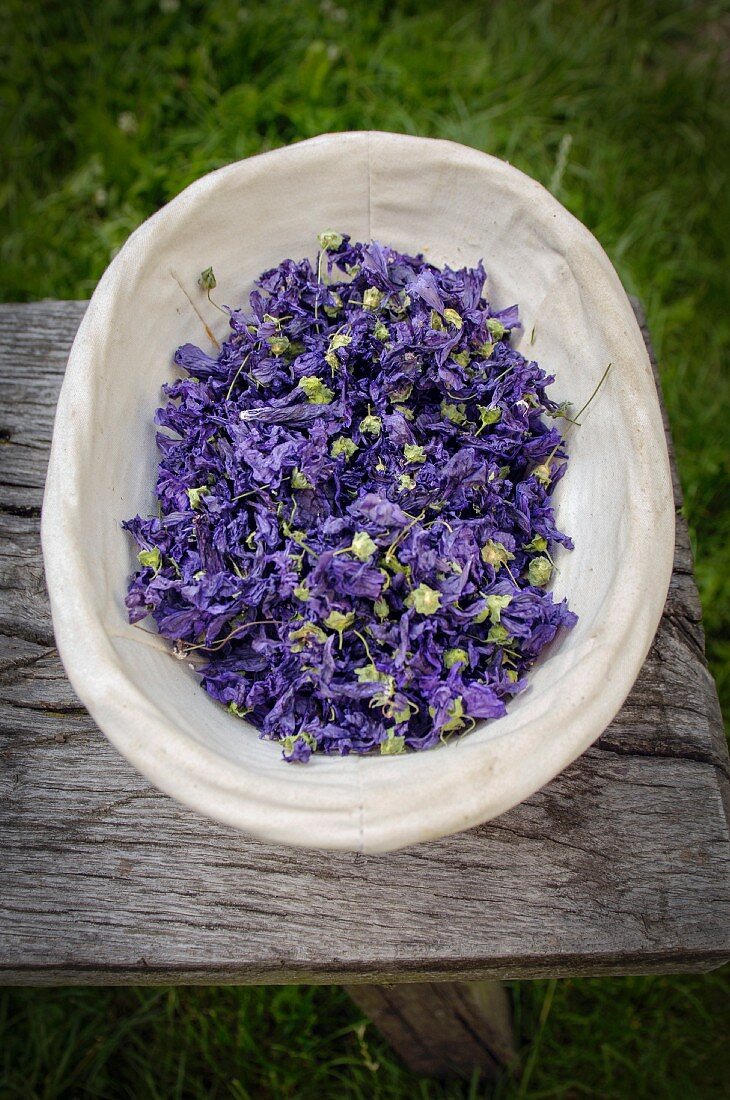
pixel 621 109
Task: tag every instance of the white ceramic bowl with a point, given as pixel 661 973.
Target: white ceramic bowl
pixel 457 205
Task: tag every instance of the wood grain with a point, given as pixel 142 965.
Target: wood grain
pixel 443 1029
pixel 619 865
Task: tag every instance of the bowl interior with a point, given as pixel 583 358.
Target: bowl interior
pixel 457 206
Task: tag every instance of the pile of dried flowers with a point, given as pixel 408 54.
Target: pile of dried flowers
pixel 355 523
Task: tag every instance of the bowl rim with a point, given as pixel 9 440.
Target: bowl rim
pixel 358 812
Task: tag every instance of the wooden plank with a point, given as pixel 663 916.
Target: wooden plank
pixel 620 865
pixel 443 1029
pixel 34 343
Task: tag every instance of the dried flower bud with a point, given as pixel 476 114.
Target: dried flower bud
pixel 330 240
pixel 453 318
pixel 413 452
pixel 539 572
pixel 300 480
pixel 455 657
pixel 207 279
pixel 315 389
pixel 372 298
pixel 371 424
pixel 343 446
pixel 494 553
pixel 363 547
pixel 424 600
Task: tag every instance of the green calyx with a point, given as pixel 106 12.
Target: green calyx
pixel 336 305
pixel 372 298
pixel 207 279
pixel 390 561
pixel 402 394
pixel 363 547
pixel 453 318
pixel 340 340
pixel 495 607
pixel 370 424
pixel 488 415
pixel 369 674
pixel 288 743
pixel 424 600
pixel 455 413
pixel 300 480
pixel 539 572
pixel 455 715
pixel 340 622
pixel 485 349
pixel 543 473
pixel 393 744
pixel 343 446
pixel 150 559
pixel 412 452
pixel 455 657
pixel 305 635
pixel 329 240
pixel 196 494
pixel 315 389
pixel 278 344
pixel 496 554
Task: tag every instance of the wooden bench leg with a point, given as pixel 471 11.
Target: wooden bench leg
pixel 443 1029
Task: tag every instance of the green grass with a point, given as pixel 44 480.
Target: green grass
pixel 621 109
pixel 636 1039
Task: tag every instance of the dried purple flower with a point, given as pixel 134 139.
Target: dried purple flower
pixel 355 520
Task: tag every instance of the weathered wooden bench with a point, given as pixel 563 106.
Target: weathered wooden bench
pixel 619 866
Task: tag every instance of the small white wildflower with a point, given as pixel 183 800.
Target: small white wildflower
pixel 333 11
pixel 127 122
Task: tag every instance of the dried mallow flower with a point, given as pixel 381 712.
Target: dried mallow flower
pixel 355 527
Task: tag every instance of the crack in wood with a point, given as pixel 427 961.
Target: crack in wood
pixel 43 707
pixel 710 759
pixel 13 664
pixel 23 511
